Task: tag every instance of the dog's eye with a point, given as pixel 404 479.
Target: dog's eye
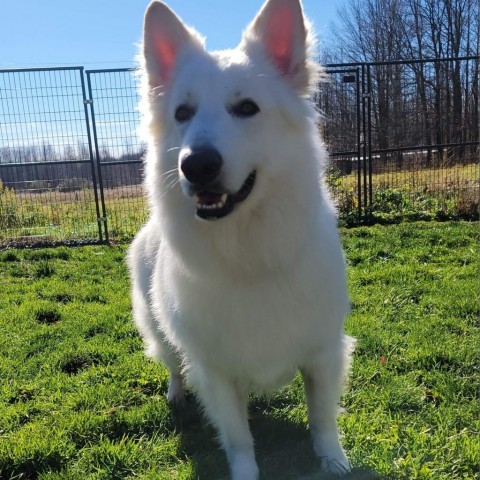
pixel 245 108
pixel 184 113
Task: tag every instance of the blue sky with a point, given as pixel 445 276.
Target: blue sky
pixel 103 33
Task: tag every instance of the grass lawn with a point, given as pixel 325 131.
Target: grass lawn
pixel 78 399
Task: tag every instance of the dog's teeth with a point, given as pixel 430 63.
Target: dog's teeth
pixel 213 206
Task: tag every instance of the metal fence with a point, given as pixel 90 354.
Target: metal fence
pixel 48 179
pixel 403 138
pixel 119 151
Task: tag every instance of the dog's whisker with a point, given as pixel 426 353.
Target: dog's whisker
pixel 169 172
pixel 167 189
pixel 168 176
pixel 156 92
pixel 169 179
pixel 171 183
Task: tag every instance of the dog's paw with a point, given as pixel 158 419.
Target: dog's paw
pixel 243 467
pixel 336 466
pixel 331 454
pixel 176 390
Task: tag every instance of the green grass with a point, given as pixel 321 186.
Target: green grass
pixel 78 399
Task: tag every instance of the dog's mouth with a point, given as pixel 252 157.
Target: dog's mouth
pixel 215 205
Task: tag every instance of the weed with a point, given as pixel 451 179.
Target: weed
pixel 9 256
pixel 44 269
pixel 425 194
pixel 47 316
pixel 74 362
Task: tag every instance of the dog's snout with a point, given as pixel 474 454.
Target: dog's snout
pixel 202 165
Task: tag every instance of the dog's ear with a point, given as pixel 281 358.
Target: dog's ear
pixel 280 30
pixel 165 38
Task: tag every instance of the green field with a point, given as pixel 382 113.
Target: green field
pixel 78 399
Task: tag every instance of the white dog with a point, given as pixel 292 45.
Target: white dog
pixel 238 276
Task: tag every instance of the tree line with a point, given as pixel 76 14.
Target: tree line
pixel 412 103
pixel 66 168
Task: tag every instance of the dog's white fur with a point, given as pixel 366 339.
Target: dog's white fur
pixel 240 304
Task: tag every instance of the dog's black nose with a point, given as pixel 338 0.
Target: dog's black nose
pixel 202 165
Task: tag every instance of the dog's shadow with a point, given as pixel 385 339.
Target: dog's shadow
pixel 283 448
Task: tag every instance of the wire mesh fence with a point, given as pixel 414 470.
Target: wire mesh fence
pixel 403 139
pixel 339 101
pixel 415 106
pixel 47 178
pixel 418 138
pixel 119 150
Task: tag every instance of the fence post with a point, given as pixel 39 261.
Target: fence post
pixel 359 84
pixel 365 128
pixel 90 150
pixel 103 218
pixel 369 205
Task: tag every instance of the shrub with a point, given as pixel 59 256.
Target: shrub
pixel 72 184
pixel 391 201
pixel 16 212
pixel 8 207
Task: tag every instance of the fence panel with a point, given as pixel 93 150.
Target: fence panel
pixel 419 139
pixel 118 149
pixel 339 101
pixel 424 136
pixel 47 184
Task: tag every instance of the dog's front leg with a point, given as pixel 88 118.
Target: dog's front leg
pixel 323 381
pixel 227 408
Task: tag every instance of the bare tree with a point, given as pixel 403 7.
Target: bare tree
pixel 414 103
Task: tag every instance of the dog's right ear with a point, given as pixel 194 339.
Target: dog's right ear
pixel 165 38
pixel 281 31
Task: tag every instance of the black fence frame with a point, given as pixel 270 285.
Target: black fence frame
pixel 361 153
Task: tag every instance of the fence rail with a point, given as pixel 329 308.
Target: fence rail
pixel 403 138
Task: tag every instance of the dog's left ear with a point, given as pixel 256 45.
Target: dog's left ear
pixel 280 30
